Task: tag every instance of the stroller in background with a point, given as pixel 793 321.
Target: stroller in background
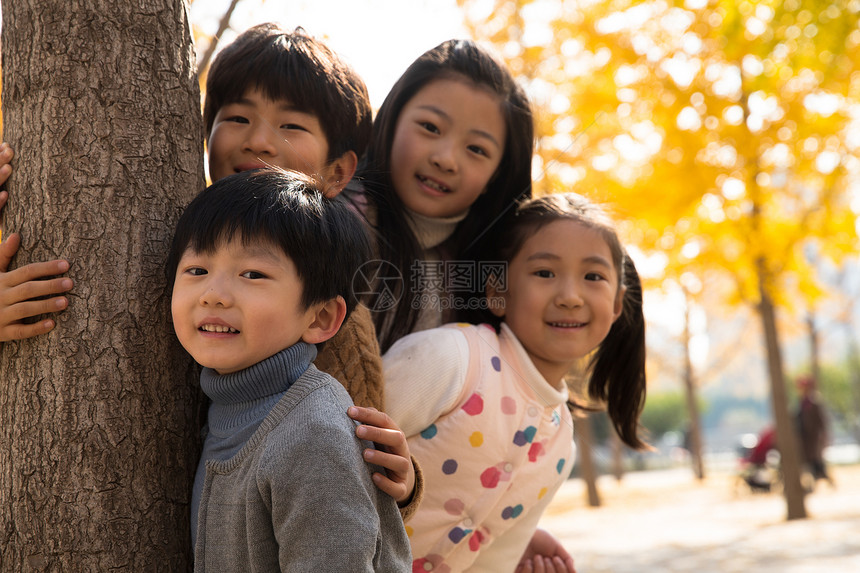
pixel 758 461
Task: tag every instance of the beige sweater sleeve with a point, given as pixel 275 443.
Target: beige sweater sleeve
pixel 352 357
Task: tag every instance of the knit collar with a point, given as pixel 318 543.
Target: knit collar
pixel 433 231
pixel 246 394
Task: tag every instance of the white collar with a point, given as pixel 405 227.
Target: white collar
pixel 433 231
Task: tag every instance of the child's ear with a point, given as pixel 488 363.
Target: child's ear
pixel 493 292
pixel 339 172
pixel 328 317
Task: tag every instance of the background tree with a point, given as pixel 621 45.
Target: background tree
pixel 98 418
pixel 693 431
pixel 585 457
pixel 212 42
pixel 720 130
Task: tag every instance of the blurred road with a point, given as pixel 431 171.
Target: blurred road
pixel 665 522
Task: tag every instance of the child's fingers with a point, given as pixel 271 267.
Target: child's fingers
pixel 564 564
pixel 30 308
pixel 4 196
pixel 8 248
pixel 391 462
pixel 393 454
pixel 398 480
pixel 22 295
pixel 11 317
pixel 13 293
pixel 525 567
pixel 380 428
pixel 21 331
pixel 543 564
pixel 393 440
pixel 370 416
pixel 553 565
pixel 395 489
pixel 6 154
pixel 30 278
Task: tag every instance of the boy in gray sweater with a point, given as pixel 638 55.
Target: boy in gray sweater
pixel 261 266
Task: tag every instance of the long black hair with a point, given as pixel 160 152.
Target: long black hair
pixel 460 60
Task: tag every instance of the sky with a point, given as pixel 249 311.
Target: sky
pixel 379 38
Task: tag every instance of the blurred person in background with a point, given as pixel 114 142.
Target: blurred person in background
pixel 812 429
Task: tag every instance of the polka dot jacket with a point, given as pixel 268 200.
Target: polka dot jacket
pixel 494 440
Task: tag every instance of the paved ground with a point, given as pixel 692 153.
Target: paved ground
pixel 665 521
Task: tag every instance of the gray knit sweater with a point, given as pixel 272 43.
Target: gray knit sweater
pixel 282 485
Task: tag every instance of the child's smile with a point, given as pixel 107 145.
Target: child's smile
pixel 435 187
pixel 215 327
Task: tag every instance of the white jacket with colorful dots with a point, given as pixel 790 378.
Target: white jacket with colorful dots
pixel 493 437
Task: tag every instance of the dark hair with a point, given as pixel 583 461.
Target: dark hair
pixel 461 60
pixel 296 67
pixel 617 367
pixel 325 238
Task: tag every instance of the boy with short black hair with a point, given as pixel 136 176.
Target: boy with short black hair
pixel 311 90
pixel 261 265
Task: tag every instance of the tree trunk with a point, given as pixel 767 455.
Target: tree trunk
pixel 99 418
pixel 814 347
pixel 853 359
pixel 854 382
pixel 584 440
pixel 786 437
pixel 695 429
pixel 617 447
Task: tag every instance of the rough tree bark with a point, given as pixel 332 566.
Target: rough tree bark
pixel 98 419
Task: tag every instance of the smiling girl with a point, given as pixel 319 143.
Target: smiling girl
pixel 484 407
pixel 450 152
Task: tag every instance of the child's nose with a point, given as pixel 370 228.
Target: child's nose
pixel 569 295
pixel 261 138
pixel 216 294
pixel 444 158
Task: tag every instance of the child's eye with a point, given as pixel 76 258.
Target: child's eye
pixel 195 271
pixel 479 150
pixel 544 274
pixel 237 119
pixel 429 126
pixel 253 275
pixel 293 126
pixel 594 277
